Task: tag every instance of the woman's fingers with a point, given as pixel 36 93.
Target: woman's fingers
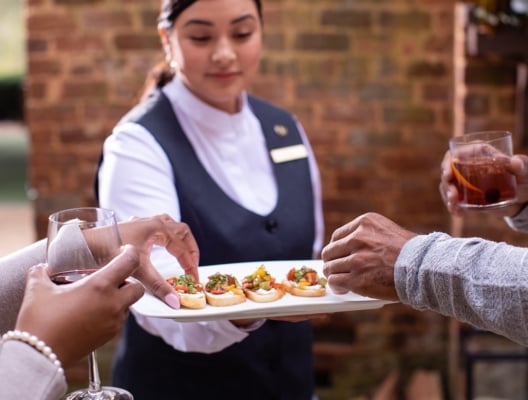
pixel 157 285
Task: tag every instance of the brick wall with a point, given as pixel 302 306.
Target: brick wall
pixel 372 83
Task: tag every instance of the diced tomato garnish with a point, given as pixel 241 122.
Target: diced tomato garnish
pixel 311 277
pixel 291 274
pixel 182 288
pixel 276 285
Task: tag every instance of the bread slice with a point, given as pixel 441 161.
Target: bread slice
pixel 305 291
pixel 225 299
pixel 194 300
pixel 264 296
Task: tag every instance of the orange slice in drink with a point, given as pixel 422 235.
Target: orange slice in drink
pixel 463 181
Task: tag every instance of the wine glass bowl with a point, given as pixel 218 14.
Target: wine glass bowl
pixel 64 226
pixel 65 265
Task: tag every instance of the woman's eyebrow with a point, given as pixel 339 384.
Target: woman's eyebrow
pixel 209 23
pixel 242 18
pixel 198 22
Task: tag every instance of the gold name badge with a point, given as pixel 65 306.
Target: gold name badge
pixel 289 153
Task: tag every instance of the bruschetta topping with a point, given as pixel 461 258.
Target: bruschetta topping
pixel 185 284
pixel 260 280
pixel 305 278
pixel 223 283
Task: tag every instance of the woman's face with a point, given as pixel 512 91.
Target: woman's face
pixel 216 46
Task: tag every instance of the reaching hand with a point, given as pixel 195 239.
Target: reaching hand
pixel 160 230
pixel 361 256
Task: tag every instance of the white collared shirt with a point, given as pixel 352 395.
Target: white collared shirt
pixel 136 179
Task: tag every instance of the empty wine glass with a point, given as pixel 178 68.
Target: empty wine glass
pixel 66 266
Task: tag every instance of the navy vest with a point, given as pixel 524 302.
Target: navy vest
pixel 273 362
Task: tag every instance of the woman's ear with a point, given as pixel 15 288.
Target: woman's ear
pixel 165 42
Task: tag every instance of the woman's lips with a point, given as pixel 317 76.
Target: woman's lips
pixel 224 75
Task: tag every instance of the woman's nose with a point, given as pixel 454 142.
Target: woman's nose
pixel 223 52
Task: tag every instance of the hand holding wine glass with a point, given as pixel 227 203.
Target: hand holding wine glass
pixel 77 318
pixel 67 266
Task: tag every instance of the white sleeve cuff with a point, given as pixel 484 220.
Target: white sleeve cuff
pixel 201 337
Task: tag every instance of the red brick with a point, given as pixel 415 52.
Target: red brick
pixel 412 20
pixel 50 23
pixel 72 43
pixel 115 20
pixel 36 45
pixel 422 69
pixel 408 115
pixel 436 92
pixel 84 90
pixel 36 90
pixel 149 18
pixel 44 67
pixel 321 42
pixel 76 3
pixel 348 19
pixel 136 41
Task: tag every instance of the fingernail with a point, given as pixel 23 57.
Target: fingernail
pixel 172 300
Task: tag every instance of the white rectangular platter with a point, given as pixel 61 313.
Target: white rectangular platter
pixel 288 305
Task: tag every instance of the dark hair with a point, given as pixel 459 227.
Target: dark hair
pixel 162 73
pixel 171 9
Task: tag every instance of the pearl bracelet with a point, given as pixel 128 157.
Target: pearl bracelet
pixel 36 343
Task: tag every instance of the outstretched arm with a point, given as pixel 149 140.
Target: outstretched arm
pixel 143 233
pixel 471 279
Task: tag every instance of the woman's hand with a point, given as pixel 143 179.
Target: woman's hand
pixel 77 318
pixel 160 230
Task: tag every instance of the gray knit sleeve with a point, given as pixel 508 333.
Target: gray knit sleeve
pixel 477 281
pixel 13 270
pixel 14 267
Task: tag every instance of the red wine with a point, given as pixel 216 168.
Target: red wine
pixel 62 278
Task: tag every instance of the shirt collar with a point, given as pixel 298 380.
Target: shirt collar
pixel 185 101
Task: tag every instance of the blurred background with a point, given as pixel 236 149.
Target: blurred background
pixel 380 86
pixel 16 212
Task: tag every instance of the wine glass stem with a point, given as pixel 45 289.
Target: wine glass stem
pixel 95 379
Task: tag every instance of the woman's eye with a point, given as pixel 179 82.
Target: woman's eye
pixel 200 38
pixel 242 35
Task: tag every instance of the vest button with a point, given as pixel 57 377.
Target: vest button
pixel 271 225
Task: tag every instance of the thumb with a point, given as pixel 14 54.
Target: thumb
pixel 38 275
pixel 519 164
pixel 37 291
pixel 337 285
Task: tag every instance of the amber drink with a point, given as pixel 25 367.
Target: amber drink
pixel 480 164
